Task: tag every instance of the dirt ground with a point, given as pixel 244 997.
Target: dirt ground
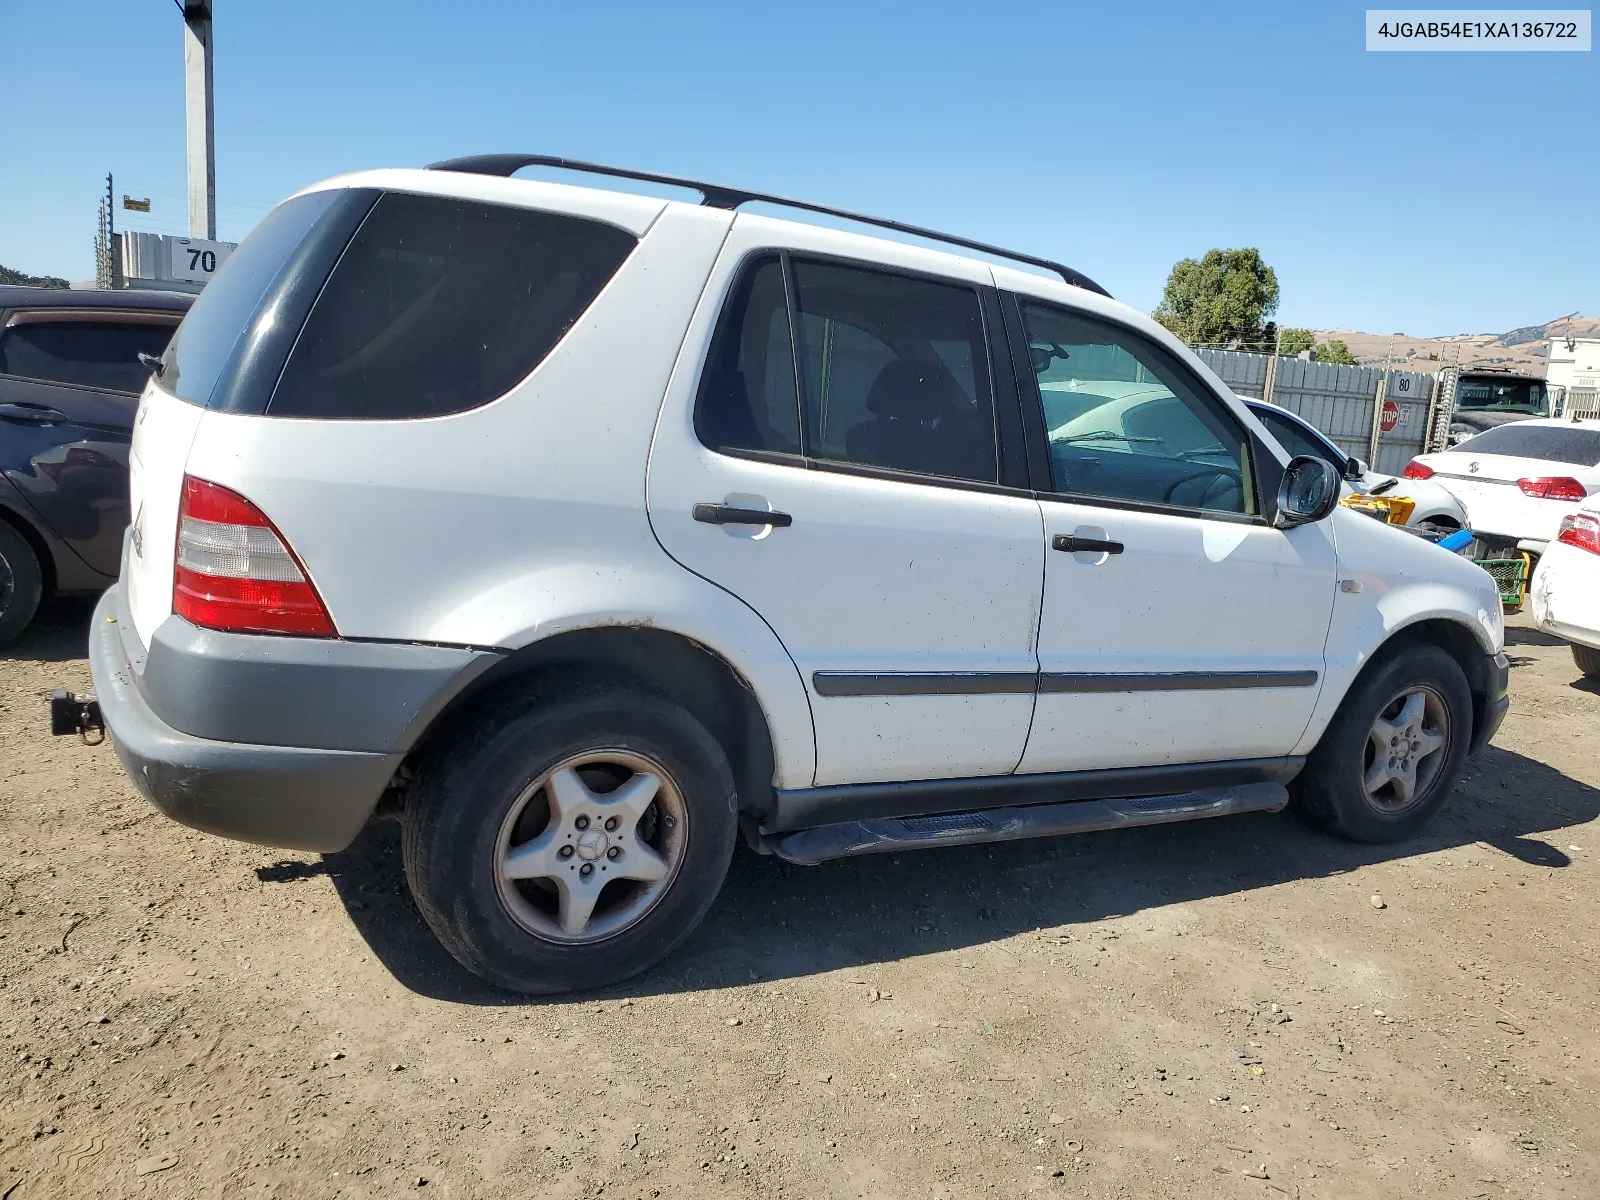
pixel 1235 1008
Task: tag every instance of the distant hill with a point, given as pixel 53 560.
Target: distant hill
pixel 1519 350
pixel 7 275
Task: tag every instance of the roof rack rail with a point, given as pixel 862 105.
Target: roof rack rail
pixel 716 195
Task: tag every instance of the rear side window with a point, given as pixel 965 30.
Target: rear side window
pixel 1574 445
pixel 220 319
pixel 440 305
pixel 90 354
pixel 747 396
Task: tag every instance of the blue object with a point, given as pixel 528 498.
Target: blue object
pixel 1459 540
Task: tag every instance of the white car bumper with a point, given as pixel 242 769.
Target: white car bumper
pixel 1566 595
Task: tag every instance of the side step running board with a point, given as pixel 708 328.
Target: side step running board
pixel 849 838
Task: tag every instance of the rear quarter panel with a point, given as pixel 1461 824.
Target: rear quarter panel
pixel 1566 594
pixel 524 518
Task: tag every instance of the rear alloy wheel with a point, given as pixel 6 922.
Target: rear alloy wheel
pixel 591 846
pixel 1587 659
pixel 1393 751
pixel 569 836
pixel 21 583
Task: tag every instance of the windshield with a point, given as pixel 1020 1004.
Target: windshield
pixel 1555 443
pixel 1523 395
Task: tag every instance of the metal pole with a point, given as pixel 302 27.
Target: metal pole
pixel 1272 368
pixel 1377 407
pixel 200 119
pixel 113 259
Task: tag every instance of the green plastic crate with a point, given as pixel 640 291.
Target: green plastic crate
pixel 1510 576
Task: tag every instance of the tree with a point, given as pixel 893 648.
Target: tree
pixel 1335 351
pixel 1223 298
pixel 7 275
pixel 1296 340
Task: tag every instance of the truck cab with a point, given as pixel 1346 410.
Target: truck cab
pixel 1486 397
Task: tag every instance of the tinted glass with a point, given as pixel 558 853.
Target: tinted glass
pixel 1295 439
pixel 1571 444
pixel 1126 424
pixel 93 354
pixel 440 305
pixel 1500 393
pixel 206 339
pixel 747 394
pixel 896 372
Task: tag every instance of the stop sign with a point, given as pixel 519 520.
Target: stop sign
pixel 1390 416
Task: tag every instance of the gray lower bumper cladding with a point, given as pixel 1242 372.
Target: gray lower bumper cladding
pixel 305 797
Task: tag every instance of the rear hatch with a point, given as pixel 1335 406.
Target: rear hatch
pixel 247 316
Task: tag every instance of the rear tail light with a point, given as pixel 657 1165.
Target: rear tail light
pixel 236 573
pixel 1580 530
pixel 1553 487
pixel 1416 470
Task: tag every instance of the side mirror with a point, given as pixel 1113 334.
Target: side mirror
pixel 1309 491
pixel 1355 468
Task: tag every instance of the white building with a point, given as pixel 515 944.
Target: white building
pixel 1574 363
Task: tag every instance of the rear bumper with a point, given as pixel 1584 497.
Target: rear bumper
pixel 1496 703
pixel 304 797
pixel 1566 595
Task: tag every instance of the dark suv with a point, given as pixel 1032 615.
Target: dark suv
pixel 70 379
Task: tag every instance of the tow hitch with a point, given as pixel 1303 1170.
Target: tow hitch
pixel 71 714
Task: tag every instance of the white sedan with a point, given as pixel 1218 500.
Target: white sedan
pixel 1566 587
pixel 1519 480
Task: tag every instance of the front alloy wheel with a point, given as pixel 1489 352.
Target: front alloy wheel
pixel 1394 749
pixel 1404 749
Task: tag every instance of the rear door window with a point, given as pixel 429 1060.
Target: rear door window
pixel 896 372
pixel 440 305
pixel 1574 445
pixel 88 353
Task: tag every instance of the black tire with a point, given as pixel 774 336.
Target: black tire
pixel 459 809
pixel 1330 792
pixel 21 583
pixel 1588 660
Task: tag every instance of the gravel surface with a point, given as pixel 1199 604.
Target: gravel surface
pixel 1235 1008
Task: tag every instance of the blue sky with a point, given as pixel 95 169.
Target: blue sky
pixel 1423 193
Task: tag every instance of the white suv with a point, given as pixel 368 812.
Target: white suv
pixel 585 530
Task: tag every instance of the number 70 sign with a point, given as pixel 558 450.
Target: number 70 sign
pixel 196 260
